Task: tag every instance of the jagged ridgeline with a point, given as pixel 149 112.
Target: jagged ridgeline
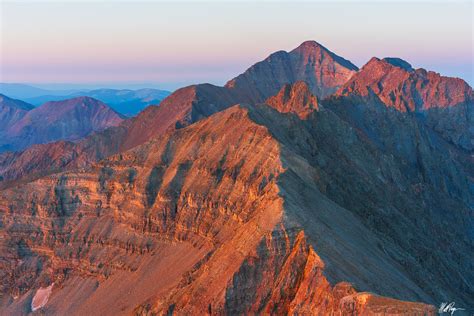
pixel 303 186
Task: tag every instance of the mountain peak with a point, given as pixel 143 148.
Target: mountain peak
pixel 310 44
pixel 388 63
pixel 80 101
pixel 84 99
pixel 315 48
pixel 397 85
pixel 373 60
pixel 69 119
pixel 321 69
pixel 11 111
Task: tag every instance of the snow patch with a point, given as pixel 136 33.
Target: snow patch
pixel 41 297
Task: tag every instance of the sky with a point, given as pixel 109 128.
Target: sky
pixel 172 44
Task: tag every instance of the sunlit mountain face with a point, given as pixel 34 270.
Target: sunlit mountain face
pixel 305 185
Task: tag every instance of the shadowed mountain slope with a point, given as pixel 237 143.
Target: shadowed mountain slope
pixel 69 120
pixel 124 101
pixel 11 111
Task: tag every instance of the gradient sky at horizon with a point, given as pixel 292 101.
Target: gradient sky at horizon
pixel 172 44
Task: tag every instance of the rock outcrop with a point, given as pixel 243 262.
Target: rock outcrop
pixel 295 99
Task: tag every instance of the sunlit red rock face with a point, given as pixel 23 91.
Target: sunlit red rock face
pixel 164 228
pixel 296 99
pixel 446 103
pixel 400 86
pixel 322 70
pixel 70 119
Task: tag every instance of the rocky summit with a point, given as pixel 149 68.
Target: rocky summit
pixel 284 192
pixel 310 62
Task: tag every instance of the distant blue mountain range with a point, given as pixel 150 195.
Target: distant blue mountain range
pixel 125 101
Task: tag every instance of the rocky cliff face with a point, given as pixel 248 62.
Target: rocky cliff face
pixel 322 70
pixel 69 120
pixel 445 103
pixel 296 99
pixel 167 222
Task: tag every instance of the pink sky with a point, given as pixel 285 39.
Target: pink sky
pixel 174 43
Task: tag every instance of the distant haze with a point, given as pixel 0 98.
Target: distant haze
pixel 168 45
